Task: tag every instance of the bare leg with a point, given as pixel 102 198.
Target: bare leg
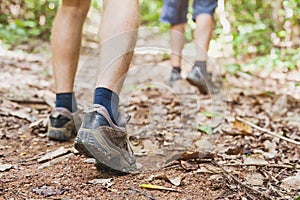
pixel 118 34
pixel 202 35
pixel 66 42
pixel 177 41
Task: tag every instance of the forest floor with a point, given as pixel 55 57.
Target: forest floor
pixel 171 130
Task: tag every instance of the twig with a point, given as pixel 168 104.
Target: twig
pixel 267 131
pixel 275 190
pixel 279 173
pixel 243 184
pixel 158 187
pixel 268 175
pixel 262 165
pixel 28 101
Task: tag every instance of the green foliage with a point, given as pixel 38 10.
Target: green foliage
pixel 285 59
pixel 209 114
pixel 21 21
pixel 150 12
pixel 260 33
pixel 205 129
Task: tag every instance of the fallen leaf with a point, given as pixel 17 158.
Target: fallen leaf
pixel 1 134
pixel 56 160
pixel 205 129
pixel 208 169
pixel 271 147
pixel 215 177
pixel 234 150
pixel 90 160
pixel 188 166
pixel 174 180
pixel 189 155
pixel 53 154
pixel 47 191
pixel 210 114
pixel 22 114
pixel 279 108
pixel 291 183
pixel 255 179
pixel 39 126
pixel 255 160
pixel 106 182
pixel 244 128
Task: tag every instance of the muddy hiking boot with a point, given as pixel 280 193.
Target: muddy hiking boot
pixel 105 141
pixel 200 78
pixel 63 125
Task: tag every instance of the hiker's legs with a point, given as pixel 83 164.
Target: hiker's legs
pixel 66 42
pixel 118 34
pixel 202 35
pixel 203 16
pixel 177 41
pixel 102 134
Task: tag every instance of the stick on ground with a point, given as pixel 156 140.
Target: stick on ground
pixel 267 131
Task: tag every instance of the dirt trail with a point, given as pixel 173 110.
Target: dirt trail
pixel 237 162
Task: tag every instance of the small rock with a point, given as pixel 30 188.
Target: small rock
pixel 4 167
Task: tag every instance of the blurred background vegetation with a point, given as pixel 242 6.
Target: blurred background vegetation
pixel 258 33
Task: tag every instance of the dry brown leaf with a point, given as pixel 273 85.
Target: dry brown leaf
pixel 244 128
pixel 39 126
pixel 255 159
pixel 175 180
pixel 255 179
pixel 291 183
pixel 234 150
pixel 106 182
pixel 53 154
pixel 188 166
pixel 279 108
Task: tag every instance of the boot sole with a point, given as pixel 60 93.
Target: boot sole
pixel 88 145
pixel 59 134
pixel 199 84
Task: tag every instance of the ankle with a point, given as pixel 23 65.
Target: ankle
pixel 109 100
pixel 176 69
pixel 200 65
pixel 66 100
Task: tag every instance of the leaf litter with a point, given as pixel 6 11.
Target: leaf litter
pixel 255 162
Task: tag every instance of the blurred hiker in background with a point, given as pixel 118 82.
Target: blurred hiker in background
pixel 175 13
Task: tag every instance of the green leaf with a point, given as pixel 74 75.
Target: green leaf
pixel 210 114
pixel 205 129
pixel 34 32
pixel 268 93
pixel 233 68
